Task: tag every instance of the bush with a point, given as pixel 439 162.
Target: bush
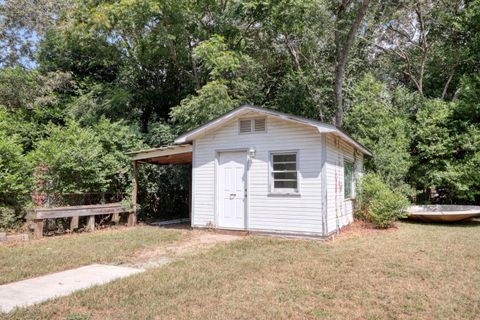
pixel 72 156
pixel 379 204
pixel 10 218
pixel 14 171
pixel 85 159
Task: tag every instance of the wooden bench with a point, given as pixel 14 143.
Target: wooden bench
pixel 75 212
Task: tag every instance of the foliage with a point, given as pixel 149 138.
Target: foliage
pixel 159 134
pixel 377 203
pixel 228 87
pixel 15 175
pixel 447 147
pixel 22 22
pixel 211 101
pixel 10 218
pixel 81 159
pixel 163 192
pixel 20 88
pixel 117 138
pixel 217 60
pixel 404 73
pixel 72 157
pixel 96 100
pixel 14 170
pixel 377 120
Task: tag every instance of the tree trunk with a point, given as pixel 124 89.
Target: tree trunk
pixel 342 52
pixel 339 73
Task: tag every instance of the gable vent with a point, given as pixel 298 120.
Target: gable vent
pixel 245 126
pixel 260 125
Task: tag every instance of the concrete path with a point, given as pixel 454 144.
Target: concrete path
pixel 28 292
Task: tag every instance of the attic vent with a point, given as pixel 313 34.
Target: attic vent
pixel 245 126
pixel 260 125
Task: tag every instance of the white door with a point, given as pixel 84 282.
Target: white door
pixel 232 190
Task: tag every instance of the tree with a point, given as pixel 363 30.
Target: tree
pixel 343 45
pixel 425 44
pixel 22 23
pixel 447 147
pixel 229 84
pixel 379 120
pixel 26 89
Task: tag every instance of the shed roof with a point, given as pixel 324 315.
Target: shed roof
pixel 320 126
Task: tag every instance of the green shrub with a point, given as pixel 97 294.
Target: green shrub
pixel 10 218
pixel 86 159
pixel 377 203
pixel 15 179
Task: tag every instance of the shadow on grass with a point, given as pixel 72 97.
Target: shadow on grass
pixel 469 223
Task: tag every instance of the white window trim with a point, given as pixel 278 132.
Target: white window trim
pixel 252 125
pixel 352 180
pixel 286 192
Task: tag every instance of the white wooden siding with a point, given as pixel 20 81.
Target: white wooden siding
pixel 297 214
pixel 278 213
pixel 339 209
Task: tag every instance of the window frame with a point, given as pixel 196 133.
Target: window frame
pixel 352 179
pixel 271 180
pixel 252 125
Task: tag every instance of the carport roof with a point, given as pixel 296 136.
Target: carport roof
pixel 174 154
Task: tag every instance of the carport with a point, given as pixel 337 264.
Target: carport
pixel 165 155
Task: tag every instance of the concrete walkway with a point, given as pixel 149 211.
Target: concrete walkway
pixel 28 292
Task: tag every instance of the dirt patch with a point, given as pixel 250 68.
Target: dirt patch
pixel 196 240
pixel 361 228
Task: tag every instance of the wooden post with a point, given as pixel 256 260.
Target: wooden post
pixel 38 229
pixel 115 218
pixel 132 217
pixel 190 190
pixel 91 223
pixel 74 223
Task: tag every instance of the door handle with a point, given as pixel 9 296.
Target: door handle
pixel 232 195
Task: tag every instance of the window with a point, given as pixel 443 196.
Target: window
pixel 253 125
pixel 284 172
pixel 348 179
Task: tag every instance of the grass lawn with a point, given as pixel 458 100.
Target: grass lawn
pixel 421 271
pixel 28 259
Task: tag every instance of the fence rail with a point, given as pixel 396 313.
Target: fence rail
pixel 42 199
pixel 75 212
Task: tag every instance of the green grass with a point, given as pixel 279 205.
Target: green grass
pixel 24 260
pixel 421 271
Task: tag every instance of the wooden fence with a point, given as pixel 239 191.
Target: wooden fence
pixel 75 212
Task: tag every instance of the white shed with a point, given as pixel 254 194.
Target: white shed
pixel 260 170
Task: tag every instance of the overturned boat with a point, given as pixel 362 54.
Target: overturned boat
pixel 442 213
